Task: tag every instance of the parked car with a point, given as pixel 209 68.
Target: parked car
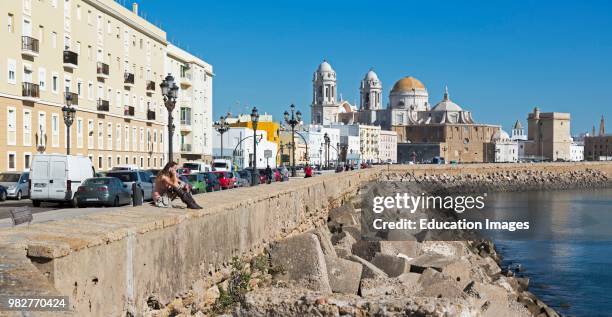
pixel 277 175
pixel 185 180
pixel 224 181
pixel 212 182
pixel 197 167
pixel 263 178
pixel 17 184
pixel 56 177
pixel 232 179
pixel 3 193
pixel 244 178
pixel 125 167
pixel 142 179
pixel 197 182
pixel 103 191
pixel 222 165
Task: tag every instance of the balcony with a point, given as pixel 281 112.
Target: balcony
pixel 103 105
pixel 185 147
pixel 150 115
pixel 186 80
pixel 74 98
pixel 128 80
pixel 128 111
pixel 29 46
pixel 71 60
pixel 103 70
pixel 150 86
pixel 30 91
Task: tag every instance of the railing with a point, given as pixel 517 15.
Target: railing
pixel 150 115
pixel 128 78
pixel 128 111
pixel 71 57
pixel 186 122
pixel 74 98
pixel 103 69
pixel 150 85
pixel 30 90
pixel 29 44
pixel 103 105
pixel 186 147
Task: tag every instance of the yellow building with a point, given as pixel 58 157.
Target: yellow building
pixel 265 123
pixel 106 57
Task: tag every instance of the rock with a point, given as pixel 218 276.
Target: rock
pixel 392 265
pixel 409 279
pixel 301 259
pixel 343 244
pixel 324 237
pixel 343 215
pixel 344 275
pixel 369 270
pixel 523 283
pixel 211 295
pixel 368 249
pixel 435 284
pixel 430 260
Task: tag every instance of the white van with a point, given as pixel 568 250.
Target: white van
pixel 197 167
pixel 222 165
pixel 56 177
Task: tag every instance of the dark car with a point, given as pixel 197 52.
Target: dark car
pixel 3 193
pixel 212 183
pixel 142 179
pixel 245 177
pixel 103 191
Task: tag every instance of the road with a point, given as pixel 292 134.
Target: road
pixel 8 205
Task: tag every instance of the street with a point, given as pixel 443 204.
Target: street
pixel 8 205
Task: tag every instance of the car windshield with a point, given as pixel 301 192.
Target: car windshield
pixel 97 181
pixel 124 176
pixel 192 166
pixel 192 178
pixel 219 164
pixel 9 178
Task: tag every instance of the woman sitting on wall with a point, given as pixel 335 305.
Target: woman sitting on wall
pixel 168 187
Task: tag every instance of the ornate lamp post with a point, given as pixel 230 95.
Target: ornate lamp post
pixel 222 126
pixel 169 91
pixel 69 113
pixel 326 138
pixel 254 120
pixel 293 120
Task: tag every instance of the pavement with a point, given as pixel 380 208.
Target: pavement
pixel 8 205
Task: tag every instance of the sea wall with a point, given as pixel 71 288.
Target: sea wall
pixel 111 262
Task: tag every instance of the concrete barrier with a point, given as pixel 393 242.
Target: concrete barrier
pixel 110 262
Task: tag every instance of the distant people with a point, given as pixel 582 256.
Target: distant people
pixel 168 187
pixel 268 173
pixel 346 167
pixel 284 173
pixel 307 171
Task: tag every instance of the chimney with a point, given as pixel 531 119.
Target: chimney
pixel 135 8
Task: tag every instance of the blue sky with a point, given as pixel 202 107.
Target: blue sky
pixel 498 58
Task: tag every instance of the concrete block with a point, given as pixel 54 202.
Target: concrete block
pixel 324 237
pixel 344 275
pixel 301 259
pixel 430 260
pixel 343 243
pixel 343 215
pixel 369 270
pixel 392 265
pixel 435 284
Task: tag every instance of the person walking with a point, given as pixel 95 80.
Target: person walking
pixel 307 171
pixel 268 174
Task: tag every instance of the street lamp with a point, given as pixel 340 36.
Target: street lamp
pixel 326 138
pixel 293 120
pixel 254 120
pixel 222 126
pixel 69 113
pixel 169 91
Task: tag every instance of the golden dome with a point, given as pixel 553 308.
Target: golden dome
pixel 408 84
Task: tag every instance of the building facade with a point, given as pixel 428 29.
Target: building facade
pixel 506 150
pixel 387 147
pixel 239 144
pixel 549 136
pixel 193 111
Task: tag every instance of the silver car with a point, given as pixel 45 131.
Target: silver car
pixel 142 179
pixel 17 184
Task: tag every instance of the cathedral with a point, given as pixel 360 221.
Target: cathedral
pixel 445 130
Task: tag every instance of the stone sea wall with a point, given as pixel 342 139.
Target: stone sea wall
pixel 118 261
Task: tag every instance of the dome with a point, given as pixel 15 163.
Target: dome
pixel 446 104
pixel 325 67
pixel 371 75
pixel 500 135
pixel 407 84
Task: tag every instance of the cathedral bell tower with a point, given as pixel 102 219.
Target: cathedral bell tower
pixel 324 99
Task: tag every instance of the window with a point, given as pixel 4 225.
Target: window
pixel 41 34
pixel 126 145
pixel 90 90
pixel 42 79
pixel 54 83
pixel 27 158
pixel 11 124
pixel 110 162
pixel 89 17
pixel 100 135
pixel 55 129
pixel 54 39
pixel 12 71
pixel 11 161
pixel 134 140
pixel 27 128
pixel 142 139
pixel 90 134
pixel 99 162
pixel 109 136
pixel 118 137
pixel 79 128
pixel 11 23
pixel 118 99
pixel 78 12
pixel 80 88
pixel 109 28
pixel 42 129
pixel 54 3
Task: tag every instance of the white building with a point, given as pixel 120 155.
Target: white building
pixel 506 150
pixel 317 150
pixel 577 151
pixel 193 111
pixel 387 147
pixel 238 142
pixel 518 133
pixel 369 137
pixel 352 145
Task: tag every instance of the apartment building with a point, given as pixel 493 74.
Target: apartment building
pixel 193 111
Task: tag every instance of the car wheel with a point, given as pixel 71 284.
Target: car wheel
pixel 142 198
pixel 74 202
pixel 36 203
pixel 18 195
pixel 3 196
pixel 116 202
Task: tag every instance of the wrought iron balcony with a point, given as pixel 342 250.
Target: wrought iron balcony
pixel 74 98
pixel 186 147
pixel 30 90
pixel 29 46
pixel 150 115
pixel 150 86
pixel 128 79
pixel 128 111
pixel 103 70
pixel 103 105
pixel 71 59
